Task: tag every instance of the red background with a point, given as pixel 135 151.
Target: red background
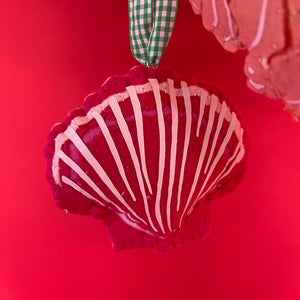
pixel 54 53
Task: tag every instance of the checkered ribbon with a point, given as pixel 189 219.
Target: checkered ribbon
pixel 151 24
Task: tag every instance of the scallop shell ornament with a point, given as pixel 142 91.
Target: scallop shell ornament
pixel 146 153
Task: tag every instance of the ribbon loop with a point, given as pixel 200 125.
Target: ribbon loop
pixel 151 24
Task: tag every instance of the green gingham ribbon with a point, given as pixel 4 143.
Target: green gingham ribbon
pixel 151 24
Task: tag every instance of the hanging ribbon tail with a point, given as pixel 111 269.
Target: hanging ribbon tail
pixel 151 23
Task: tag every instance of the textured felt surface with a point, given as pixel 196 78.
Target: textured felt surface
pixel 52 54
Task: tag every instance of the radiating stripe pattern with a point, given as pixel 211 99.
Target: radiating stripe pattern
pixel 153 183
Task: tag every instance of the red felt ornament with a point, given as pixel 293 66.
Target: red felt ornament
pixel 146 153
